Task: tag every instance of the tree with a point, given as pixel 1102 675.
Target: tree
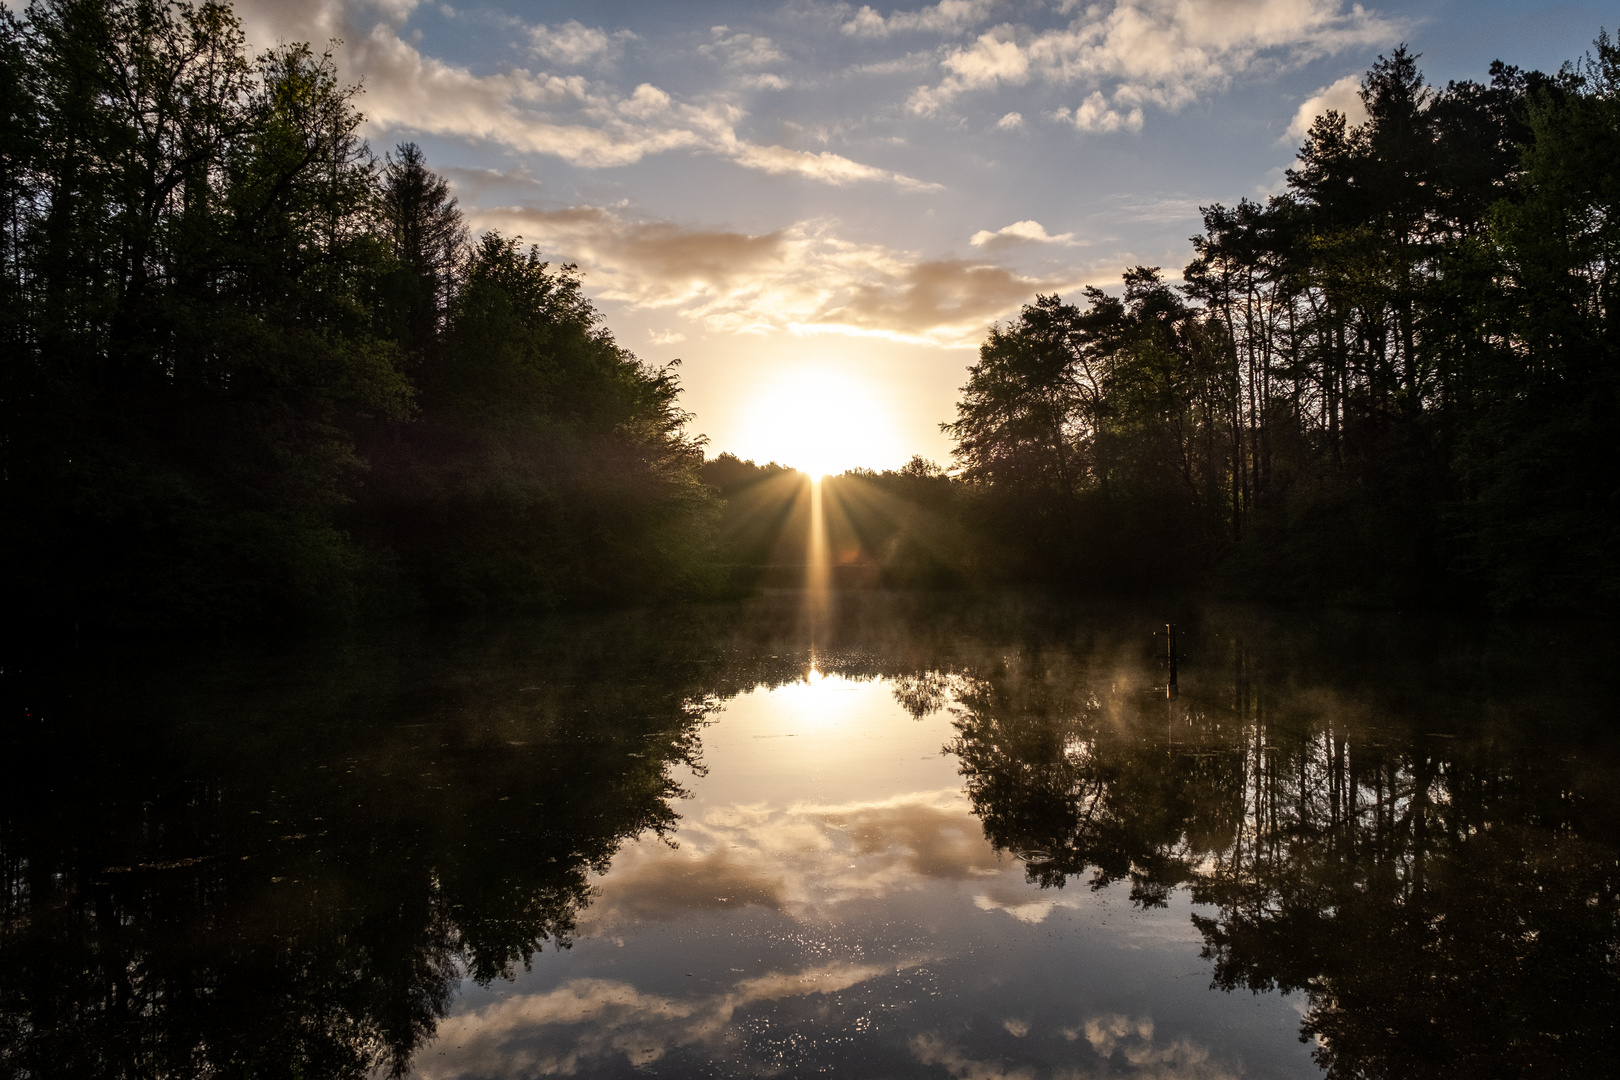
pixel 225 323
pixel 549 466
pixel 427 235
pixel 191 251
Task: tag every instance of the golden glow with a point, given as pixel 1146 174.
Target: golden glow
pixel 822 700
pixel 822 423
pixel 818 584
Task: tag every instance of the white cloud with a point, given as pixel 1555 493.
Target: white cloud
pixel 899 65
pixel 946 17
pixel 567 116
pixel 665 337
pixel 1159 52
pixel 1343 96
pixel 801 279
pixel 764 81
pixel 587 1022
pixel 826 167
pixel 996 57
pixel 1022 906
pixel 740 50
pixel 1126 1045
pixel 574 43
pixel 1095 114
pixel 803 859
pixel 1131 1048
pixel 1011 122
pixel 1017 234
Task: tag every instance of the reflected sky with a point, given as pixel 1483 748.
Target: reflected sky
pixel 829 902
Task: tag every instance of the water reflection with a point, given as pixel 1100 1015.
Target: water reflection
pixel 684 843
pixel 285 865
pixel 1433 866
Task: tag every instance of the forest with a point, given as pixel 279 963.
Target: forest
pixel 1393 383
pixel 255 374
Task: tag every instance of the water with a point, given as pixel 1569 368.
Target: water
pixel 924 839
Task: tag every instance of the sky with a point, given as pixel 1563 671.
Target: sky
pixel 820 208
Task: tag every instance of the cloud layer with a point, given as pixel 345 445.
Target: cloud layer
pixel 948 17
pixel 589 1021
pixel 587 124
pixel 802 278
pixel 1165 53
pixel 803 860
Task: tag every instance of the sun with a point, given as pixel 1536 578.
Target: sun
pixel 821 423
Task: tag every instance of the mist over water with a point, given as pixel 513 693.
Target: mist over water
pixel 872 836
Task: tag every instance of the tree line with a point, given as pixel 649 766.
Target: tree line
pixel 1396 381
pixel 255 373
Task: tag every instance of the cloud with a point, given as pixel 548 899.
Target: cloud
pixel 1017 234
pixel 1011 122
pixel 583 123
pixel 801 279
pixel 665 337
pixel 1157 208
pixel 473 183
pixel 1160 52
pixel 940 301
pixel 589 1022
pixel 826 167
pixel 574 43
pixel 995 57
pixel 1021 905
pixel 1126 1046
pixel 803 859
pixel 740 50
pixel 932 1049
pixel 1094 114
pixel 947 17
pixel 899 65
pixel 1130 1048
pixel 1343 97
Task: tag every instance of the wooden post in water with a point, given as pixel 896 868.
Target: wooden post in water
pixel 1170 634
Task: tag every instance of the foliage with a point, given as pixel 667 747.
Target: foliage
pixel 548 465
pixel 218 310
pixel 1395 382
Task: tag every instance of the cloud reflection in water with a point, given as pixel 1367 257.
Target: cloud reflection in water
pixel 800 919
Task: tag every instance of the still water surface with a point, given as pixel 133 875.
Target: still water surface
pixel 920 839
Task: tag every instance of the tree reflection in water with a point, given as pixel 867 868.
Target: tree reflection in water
pixel 285 865
pixel 1432 861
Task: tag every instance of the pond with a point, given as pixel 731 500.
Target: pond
pixel 903 837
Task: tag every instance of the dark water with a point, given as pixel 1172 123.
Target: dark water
pixel 938 841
